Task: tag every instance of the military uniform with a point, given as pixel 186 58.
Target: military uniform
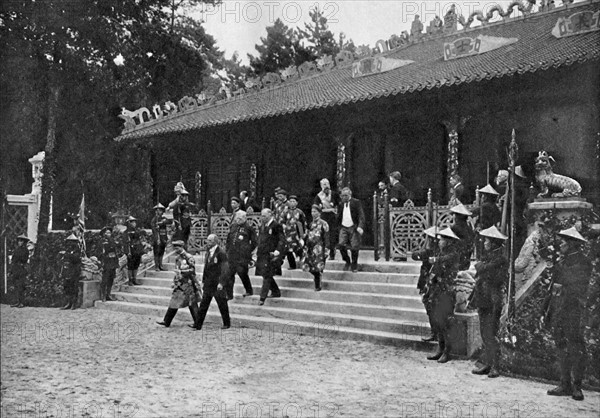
pixel 467 236
pixel 569 294
pixel 488 298
pixel 423 283
pixel 241 241
pixel 135 250
pixel 487 214
pixel 71 272
pixel 441 295
pixel 18 269
pixel 110 263
pixel 159 237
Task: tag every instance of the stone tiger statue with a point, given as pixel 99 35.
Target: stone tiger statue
pixel 561 186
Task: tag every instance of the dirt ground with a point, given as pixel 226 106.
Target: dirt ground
pixel 95 363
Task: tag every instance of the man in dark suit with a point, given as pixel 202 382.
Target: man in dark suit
pixel 398 193
pixel 271 245
pixel 246 201
pixel 214 279
pixel 241 241
pixel 351 221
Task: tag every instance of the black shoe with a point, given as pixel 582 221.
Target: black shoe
pixel 247 294
pixel 225 326
pixel 163 323
pixel 561 390
pixel 429 339
pixel 435 356
pixel 444 359
pixel 493 373
pixel 261 302
pixel 481 371
pixel 577 394
pixel 14 305
pixel 318 289
pixel 354 267
pixel 347 266
pixel 275 296
pixel 20 305
pixel 194 327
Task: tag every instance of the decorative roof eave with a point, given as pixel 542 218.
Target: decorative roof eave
pixel 149 132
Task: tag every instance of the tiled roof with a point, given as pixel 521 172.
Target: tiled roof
pixel 536 49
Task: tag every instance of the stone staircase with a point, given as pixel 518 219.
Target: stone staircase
pixel 380 303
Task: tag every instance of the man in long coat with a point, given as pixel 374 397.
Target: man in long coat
pixel 271 245
pixel 185 287
pixel 214 281
pixel 18 269
pixel 241 242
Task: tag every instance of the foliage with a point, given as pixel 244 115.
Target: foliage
pixel 318 39
pixel 528 345
pixel 44 285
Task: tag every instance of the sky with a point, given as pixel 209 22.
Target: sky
pixel 239 25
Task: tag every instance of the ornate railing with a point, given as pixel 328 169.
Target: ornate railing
pixel 206 222
pixel 398 232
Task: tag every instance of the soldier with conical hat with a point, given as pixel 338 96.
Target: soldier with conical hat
pixel 489 296
pixel 428 251
pixel 569 295
pixel 71 271
pixel 134 249
pixel 487 214
pixel 463 230
pixel 159 235
pixel 18 269
pixel 441 293
pixel 110 262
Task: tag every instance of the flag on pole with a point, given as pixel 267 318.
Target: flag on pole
pixel 81 221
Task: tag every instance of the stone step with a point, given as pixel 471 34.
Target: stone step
pixel 398 301
pixel 372 277
pixel 408 267
pixel 291 316
pixel 247 327
pixel 338 285
pixel 316 304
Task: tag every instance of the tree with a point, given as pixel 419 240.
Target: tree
pixel 318 39
pixel 277 50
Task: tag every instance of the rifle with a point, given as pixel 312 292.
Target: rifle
pixel 548 300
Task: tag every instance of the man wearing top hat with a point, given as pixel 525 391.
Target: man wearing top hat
pixel 71 271
pixel 214 281
pixel 488 297
pixel 423 284
pixel 462 228
pixel 110 262
pixel 185 287
pixel 441 294
pixel 571 277
pixel 159 235
pixel 18 269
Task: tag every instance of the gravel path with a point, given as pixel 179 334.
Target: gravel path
pixel 95 363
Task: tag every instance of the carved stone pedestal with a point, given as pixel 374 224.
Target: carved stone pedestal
pixel 90 292
pixel 465 337
pixel 562 208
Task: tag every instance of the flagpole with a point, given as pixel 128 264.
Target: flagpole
pixel 513 150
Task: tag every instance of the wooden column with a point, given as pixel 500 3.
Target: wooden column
pixel 453 128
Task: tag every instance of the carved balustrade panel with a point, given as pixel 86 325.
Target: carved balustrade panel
pixel 198 234
pixel 408 223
